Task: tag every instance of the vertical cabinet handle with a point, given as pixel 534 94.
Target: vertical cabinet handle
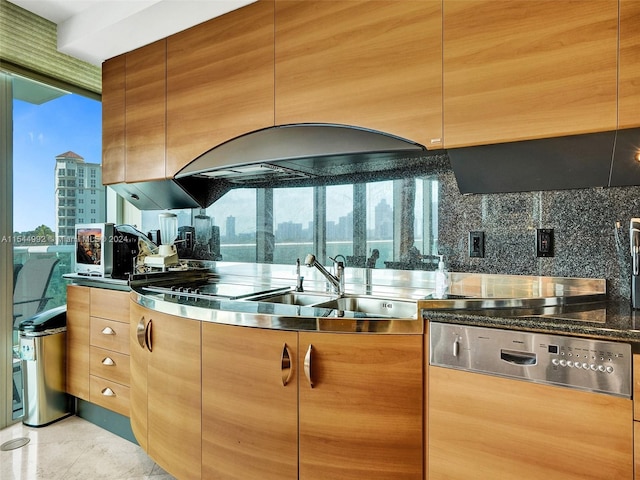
pixel 307 365
pixel 148 335
pixel 285 363
pixel 141 332
pixel 108 331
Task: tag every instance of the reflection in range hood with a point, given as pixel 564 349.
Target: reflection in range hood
pixel 301 155
pixel 604 159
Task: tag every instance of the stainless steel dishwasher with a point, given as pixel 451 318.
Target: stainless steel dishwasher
pixel 505 404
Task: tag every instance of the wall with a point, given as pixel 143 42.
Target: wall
pixel 584 222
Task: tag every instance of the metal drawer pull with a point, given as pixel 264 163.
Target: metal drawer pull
pixel 108 361
pixel 141 332
pixel 147 335
pixel 285 362
pixel 108 331
pixel 307 365
pixel 107 392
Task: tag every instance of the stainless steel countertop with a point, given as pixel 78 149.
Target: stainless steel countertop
pixel 475 289
pixel 572 306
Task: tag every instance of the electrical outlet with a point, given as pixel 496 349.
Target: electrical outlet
pixel 476 244
pixel 544 242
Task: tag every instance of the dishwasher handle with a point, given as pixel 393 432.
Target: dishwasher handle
pixel 518 358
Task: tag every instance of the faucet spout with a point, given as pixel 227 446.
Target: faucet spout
pixel 299 278
pixel 337 281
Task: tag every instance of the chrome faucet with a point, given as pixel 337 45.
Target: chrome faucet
pixel 336 280
pixel 299 278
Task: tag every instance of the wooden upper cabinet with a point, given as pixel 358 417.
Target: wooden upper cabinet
pixel 629 87
pixel 372 64
pixel 219 82
pixel 145 112
pixel 113 126
pixel 521 69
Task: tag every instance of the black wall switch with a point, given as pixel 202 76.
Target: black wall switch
pixel 544 242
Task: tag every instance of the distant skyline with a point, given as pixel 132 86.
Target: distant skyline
pixel 40 133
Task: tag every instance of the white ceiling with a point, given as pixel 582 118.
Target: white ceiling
pixel 95 30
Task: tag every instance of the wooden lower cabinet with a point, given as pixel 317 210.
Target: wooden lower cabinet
pixel 262 419
pixel 166 390
pixel 636 450
pixel 78 335
pixel 487 427
pixel 636 416
pixel 250 414
pixel 98 346
pixel 363 417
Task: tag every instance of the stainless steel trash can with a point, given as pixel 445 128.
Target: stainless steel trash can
pixel 43 351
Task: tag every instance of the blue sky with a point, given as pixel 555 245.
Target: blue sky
pixel 40 133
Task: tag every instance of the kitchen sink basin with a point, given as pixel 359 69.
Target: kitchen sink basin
pixel 355 304
pixel 292 298
pixel 373 306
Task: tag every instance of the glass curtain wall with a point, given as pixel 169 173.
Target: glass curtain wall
pixel 56 181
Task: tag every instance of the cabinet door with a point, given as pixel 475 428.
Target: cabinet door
pixel 113 126
pixel 363 416
pixel 145 110
pixel 138 373
pixel 517 69
pixel 508 428
pixel 373 64
pixel 219 82
pixel 165 394
pixel 174 395
pixel 629 88
pixel 78 338
pixel 249 415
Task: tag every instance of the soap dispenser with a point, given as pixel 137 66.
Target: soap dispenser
pixel 442 280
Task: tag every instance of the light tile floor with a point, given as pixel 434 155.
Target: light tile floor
pixel 74 449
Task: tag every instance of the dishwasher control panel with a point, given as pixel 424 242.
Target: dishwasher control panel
pixel 586 364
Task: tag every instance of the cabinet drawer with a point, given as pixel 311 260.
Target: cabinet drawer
pixel 110 335
pixel 110 395
pixel 110 365
pixel 111 304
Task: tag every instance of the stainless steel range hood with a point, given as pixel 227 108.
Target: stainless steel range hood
pixel 301 155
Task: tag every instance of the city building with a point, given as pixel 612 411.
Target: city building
pixel 79 194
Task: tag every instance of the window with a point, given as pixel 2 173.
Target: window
pixel 48 125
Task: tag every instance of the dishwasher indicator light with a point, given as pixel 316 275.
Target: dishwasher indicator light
pixel 553 349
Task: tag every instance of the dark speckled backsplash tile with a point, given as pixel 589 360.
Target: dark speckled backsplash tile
pixel 583 220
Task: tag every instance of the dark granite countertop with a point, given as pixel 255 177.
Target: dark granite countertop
pixel 606 320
